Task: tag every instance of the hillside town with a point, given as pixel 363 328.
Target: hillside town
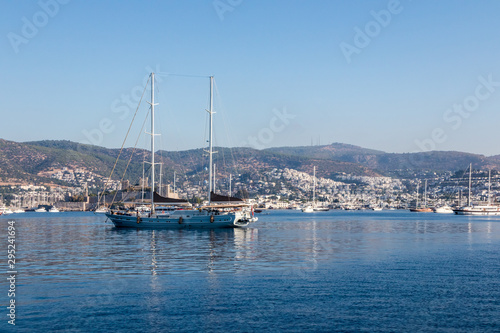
pixel 274 189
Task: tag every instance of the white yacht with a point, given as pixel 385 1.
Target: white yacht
pixel 307 209
pixel 443 210
pixel 481 210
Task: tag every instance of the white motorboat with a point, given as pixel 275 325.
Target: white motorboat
pixel 443 210
pixel 307 209
pixel 53 209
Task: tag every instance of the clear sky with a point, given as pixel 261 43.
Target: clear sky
pixel 398 76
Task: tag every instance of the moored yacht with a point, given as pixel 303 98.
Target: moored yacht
pixel 443 210
pixel 479 210
pixel 211 216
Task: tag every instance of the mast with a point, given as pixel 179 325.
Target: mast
pixel 230 179
pixel 489 186
pixel 470 183
pixel 416 206
pixel 425 194
pixel 314 184
pixel 215 172
pixel 210 152
pixel 152 141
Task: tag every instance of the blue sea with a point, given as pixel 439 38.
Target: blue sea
pixel 337 271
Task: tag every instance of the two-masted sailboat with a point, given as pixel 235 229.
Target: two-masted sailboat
pixel 481 210
pixel 233 214
pixel 418 208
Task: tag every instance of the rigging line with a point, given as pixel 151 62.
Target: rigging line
pixel 126 136
pixel 132 154
pixel 228 134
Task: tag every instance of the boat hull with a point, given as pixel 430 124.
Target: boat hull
pixel 178 222
pixel 478 211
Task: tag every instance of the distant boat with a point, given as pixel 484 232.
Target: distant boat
pixel 102 209
pixel 310 208
pixel 5 211
pixel 41 210
pixel 378 208
pixel 423 209
pixel 480 210
pixel 19 210
pixel 53 209
pixel 444 210
pixel 321 209
pixel 307 209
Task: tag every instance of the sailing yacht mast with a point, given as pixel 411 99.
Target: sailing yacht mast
pixel 314 184
pixel 210 152
pixel 152 141
pixel 489 187
pixel 470 184
pixel 425 194
pixel 416 205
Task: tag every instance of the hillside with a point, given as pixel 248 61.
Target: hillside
pixel 391 163
pixel 33 161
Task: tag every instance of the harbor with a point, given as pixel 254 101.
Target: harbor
pixel 342 271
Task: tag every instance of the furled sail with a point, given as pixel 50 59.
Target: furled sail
pixel 222 198
pixel 159 199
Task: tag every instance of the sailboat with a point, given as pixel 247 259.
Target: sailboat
pixel 103 208
pixel 312 207
pixel 423 209
pixel 470 209
pixel 211 216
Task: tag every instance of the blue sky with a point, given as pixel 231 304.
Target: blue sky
pixel 398 76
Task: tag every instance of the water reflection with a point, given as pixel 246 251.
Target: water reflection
pixel 76 245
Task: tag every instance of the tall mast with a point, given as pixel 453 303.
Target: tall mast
pixel 210 111
pixel 215 172
pixel 416 206
pixel 314 184
pixel 470 183
pixel 425 194
pixel 489 186
pixel 152 141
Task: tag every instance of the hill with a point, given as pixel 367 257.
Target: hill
pixel 34 161
pixel 402 165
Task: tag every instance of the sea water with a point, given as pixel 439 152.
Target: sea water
pixel 388 271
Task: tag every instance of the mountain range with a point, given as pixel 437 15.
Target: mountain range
pixel 28 161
